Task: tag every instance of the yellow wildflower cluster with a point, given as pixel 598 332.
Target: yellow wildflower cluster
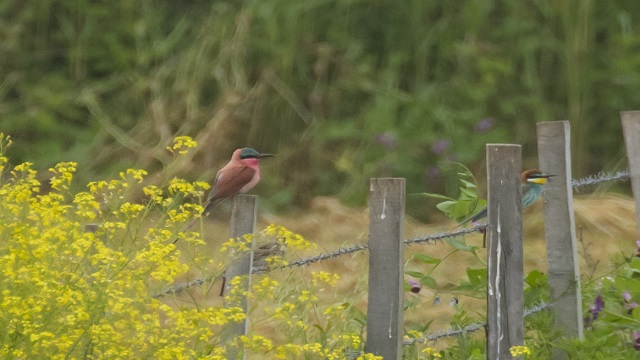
pixel 518 350
pixel 288 238
pixel 181 145
pixel 66 292
pixel 5 142
pixel 323 278
pixel 63 174
pixel 431 353
pixel 86 205
pixel 412 334
pixel 154 193
pixel 181 186
pixel 135 174
pixel 253 343
pixel 338 349
pixel 242 244
pixel 78 273
pixel 336 310
pixel 265 288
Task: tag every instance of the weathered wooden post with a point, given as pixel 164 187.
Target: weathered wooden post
pixel 386 268
pixel 554 156
pixel 631 128
pixel 243 221
pixel 505 294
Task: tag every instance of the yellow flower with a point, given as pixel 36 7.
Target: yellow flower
pixel 432 352
pixel 519 350
pixel 181 186
pixel 181 145
pixel 63 175
pixel 153 192
pixel 324 278
pixel 287 237
pixel 136 174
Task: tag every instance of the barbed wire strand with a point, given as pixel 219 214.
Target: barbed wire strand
pixel 469 328
pixel 599 178
pixel 429 238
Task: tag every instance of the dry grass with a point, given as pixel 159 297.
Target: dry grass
pixel 606 227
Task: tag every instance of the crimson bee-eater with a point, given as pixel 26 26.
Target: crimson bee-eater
pixel 240 175
pixel 532 180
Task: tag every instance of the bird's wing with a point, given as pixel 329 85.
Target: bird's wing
pixel 229 181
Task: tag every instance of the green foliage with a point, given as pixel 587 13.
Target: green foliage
pixel 342 90
pixel 468 201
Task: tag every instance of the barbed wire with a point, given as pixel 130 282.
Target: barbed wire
pixel 429 238
pixel 599 178
pixel 469 328
pixel 184 286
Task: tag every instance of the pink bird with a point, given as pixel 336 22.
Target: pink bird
pixel 240 175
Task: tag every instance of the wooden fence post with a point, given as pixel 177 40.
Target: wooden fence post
pixel 631 129
pixel 505 294
pixel 243 221
pixel 386 268
pixel 554 156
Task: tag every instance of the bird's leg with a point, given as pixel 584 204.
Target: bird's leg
pixel 224 281
pixel 484 238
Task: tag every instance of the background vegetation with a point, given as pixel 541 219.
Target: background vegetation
pixel 341 90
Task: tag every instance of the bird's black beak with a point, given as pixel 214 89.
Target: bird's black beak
pixel 260 156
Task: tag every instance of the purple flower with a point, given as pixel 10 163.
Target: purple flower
pixel 636 340
pixel 415 286
pixel 387 140
pixel 483 125
pixel 594 310
pixel 440 146
pixel 626 296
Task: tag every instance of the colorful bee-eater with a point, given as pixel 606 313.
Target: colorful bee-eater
pixel 240 175
pixel 532 183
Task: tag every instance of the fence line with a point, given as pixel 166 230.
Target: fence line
pixel 429 238
pixel 576 183
pixel 417 240
pixel 470 328
pixel 601 177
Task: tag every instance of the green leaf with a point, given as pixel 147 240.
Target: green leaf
pixel 535 278
pixel 429 282
pixel 415 274
pixel 447 207
pixel 459 243
pixel 477 280
pixel 425 258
